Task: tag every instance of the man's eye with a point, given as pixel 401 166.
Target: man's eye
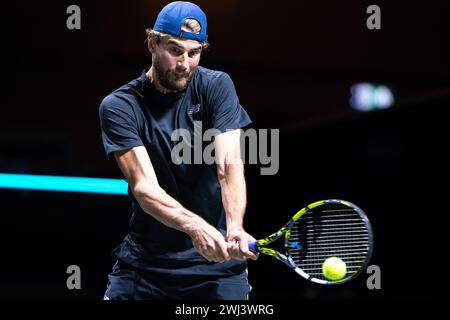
pixel 175 50
pixel 194 53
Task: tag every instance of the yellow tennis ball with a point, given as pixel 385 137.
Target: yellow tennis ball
pixel 334 268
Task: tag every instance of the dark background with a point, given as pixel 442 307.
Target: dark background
pixel 292 63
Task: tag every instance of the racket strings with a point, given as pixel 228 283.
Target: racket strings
pixel 329 230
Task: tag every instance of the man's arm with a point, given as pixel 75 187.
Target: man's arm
pixel 230 171
pixel 136 166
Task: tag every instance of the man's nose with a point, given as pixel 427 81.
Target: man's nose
pixel 183 61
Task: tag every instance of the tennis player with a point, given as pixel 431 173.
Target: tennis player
pixel 186 238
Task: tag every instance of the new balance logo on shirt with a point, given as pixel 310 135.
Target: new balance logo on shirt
pixel 194 109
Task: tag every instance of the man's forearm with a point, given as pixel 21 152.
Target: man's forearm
pixel 156 202
pixel 234 197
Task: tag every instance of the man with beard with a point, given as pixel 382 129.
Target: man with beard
pixel 186 238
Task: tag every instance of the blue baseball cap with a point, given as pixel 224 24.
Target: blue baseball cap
pixel 172 16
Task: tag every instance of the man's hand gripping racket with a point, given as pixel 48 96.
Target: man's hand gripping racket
pixel 327 242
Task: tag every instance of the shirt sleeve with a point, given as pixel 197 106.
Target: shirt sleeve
pixel 226 111
pixel 118 125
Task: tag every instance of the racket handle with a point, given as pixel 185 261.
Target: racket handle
pixel 253 246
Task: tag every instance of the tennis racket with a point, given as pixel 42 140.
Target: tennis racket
pixel 323 229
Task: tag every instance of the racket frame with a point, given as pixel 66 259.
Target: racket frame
pixel 261 245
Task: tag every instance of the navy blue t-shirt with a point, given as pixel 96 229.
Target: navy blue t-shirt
pixel 139 115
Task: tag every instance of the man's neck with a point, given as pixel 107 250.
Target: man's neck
pixel 154 80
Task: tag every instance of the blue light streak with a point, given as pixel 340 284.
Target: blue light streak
pixel 63 184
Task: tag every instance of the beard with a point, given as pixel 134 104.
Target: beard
pixel 170 79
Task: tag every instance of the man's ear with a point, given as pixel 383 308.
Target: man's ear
pixel 151 43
